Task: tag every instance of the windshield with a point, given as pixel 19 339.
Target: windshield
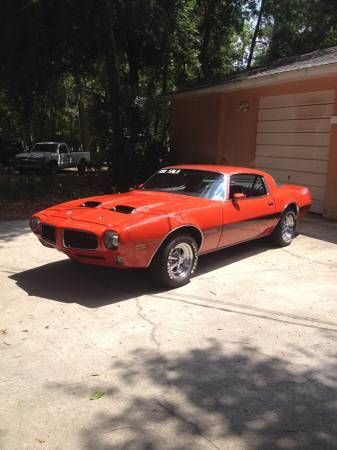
pixel 45 148
pixel 198 183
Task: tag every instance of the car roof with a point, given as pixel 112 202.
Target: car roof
pixel 226 170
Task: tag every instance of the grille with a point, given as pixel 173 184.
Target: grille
pixel 79 239
pixel 48 233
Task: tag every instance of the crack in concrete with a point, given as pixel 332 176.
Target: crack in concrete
pixel 309 259
pixel 156 342
pixel 195 427
pixel 140 313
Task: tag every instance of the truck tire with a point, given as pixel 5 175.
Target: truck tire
pixel 82 166
pixel 52 168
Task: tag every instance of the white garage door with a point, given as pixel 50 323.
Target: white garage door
pixel 293 140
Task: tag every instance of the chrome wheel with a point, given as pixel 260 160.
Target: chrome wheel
pixel 288 227
pixel 180 261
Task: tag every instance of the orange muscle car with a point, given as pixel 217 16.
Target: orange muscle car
pixel 179 213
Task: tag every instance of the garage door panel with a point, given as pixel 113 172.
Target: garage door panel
pixel 301 165
pixel 316 192
pixel 316 139
pixel 296 177
pixel 279 151
pixel 297 112
pixel 294 126
pixel 305 98
pixel 317 206
pixel 293 139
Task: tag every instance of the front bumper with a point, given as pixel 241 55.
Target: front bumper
pixel 102 256
pixel 29 164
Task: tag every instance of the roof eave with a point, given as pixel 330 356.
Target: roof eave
pixel 260 80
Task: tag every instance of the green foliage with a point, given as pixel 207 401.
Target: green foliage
pixel 119 58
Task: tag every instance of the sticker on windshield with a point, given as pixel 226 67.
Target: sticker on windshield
pixel 172 171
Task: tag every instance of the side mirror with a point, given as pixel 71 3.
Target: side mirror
pixel 238 196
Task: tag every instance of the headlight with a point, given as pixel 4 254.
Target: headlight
pixel 35 225
pixel 111 239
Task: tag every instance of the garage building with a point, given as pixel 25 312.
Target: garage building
pixel 281 118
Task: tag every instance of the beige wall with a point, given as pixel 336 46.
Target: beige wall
pixel 207 128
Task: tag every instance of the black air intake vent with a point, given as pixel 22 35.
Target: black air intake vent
pixel 123 209
pixel 90 204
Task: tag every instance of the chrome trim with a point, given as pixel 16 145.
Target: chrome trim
pixel 180 261
pixel 46 243
pixel 172 231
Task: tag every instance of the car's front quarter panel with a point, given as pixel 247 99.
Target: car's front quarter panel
pixel 145 238
pixel 206 218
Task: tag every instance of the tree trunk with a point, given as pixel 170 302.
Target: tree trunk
pixel 83 120
pixel 256 32
pixel 203 57
pixel 28 119
pixel 118 150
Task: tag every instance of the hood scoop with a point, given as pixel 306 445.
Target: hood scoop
pixel 123 209
pixel 90 204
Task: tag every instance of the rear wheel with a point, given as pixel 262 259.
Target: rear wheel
pixel 285 230
pixel 175 262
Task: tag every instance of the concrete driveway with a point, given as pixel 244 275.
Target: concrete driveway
pixel 244 357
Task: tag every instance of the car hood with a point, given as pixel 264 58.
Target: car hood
pixel 119 210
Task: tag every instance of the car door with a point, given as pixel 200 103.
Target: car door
pixel 252 215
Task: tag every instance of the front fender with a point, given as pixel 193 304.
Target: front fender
pixel 145 238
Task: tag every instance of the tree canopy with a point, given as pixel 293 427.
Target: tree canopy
pixel 95 73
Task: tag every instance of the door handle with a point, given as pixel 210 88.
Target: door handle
pixel 270 203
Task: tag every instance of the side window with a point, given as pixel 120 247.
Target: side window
pixel 259 188
pixel 249 184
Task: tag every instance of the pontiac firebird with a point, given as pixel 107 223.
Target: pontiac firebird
pixel 179 213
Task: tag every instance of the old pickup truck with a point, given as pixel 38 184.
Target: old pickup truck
pixel 49 157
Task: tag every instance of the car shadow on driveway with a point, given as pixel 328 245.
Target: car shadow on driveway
pixel 92 286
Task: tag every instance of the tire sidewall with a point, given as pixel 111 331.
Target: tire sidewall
pixel 279 236
pixel 53 168
pixel 81 167
pixel 159 265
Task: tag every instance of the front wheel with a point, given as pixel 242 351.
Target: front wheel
pixel 175 262
pixel 81 167
pixel 52 168
pixel 285 230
